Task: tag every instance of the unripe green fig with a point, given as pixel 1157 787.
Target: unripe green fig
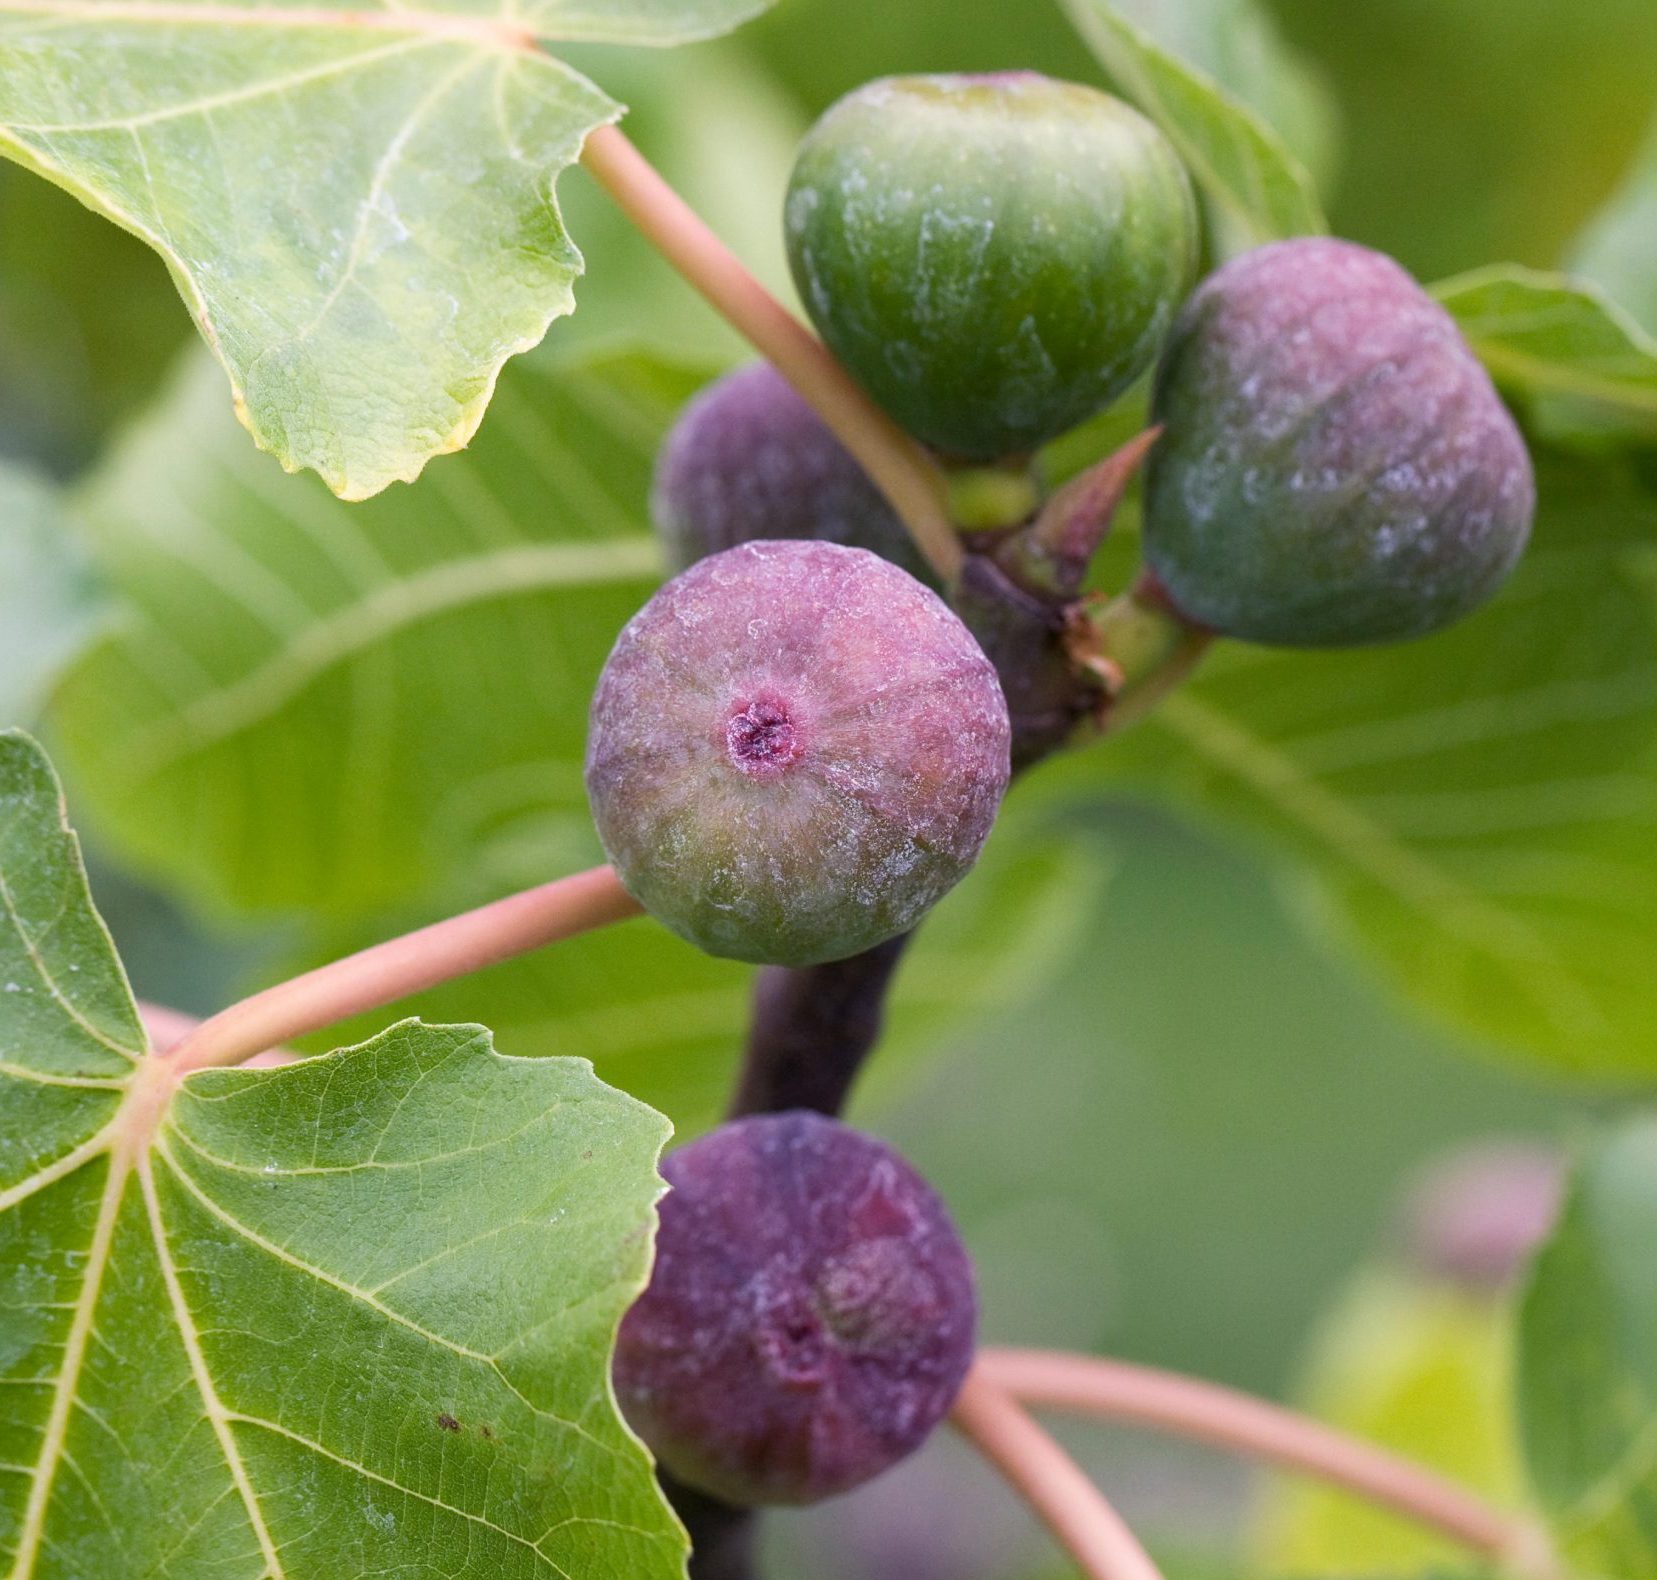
pixel 994 258
pixel 1336 467
pixel 749 459
pixel 795 750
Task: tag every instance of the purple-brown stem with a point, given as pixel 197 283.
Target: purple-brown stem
pixel 721 1536
pixel 811 1029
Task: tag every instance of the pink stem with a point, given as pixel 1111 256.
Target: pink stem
pixel 1228 1419
pixel 1071 1507
pixel 900 468
pixel 168 1027
pixel 395 969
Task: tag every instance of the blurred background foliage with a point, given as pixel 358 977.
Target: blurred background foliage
pixel 1173 1107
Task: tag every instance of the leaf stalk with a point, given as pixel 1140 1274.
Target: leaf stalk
pixel 393 970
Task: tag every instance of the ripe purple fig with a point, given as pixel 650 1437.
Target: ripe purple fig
pixel 809 1318
pixel 749 459
pixel 795 750
pixel 1336 466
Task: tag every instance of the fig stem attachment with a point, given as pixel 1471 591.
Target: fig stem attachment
pixel 1064 1499
pixel 899 467
pixel 1137 646
pixel 392 970
pixel 1116 1391
pixel 1053 555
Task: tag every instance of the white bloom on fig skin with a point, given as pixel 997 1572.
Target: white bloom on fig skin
pixel 795 750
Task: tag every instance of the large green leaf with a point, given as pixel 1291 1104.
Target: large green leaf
pixel 1561 342
pixel 1588 1362
pixel 356 205
pixel 1240 162
pixel 48 598
pixel 1617 249
pixel 1476 811
pixel 287 1325
pixel 330 707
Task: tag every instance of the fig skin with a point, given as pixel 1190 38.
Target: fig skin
pixel 1336 468
pixel 748 459
pixel 809 1318
pixel 994 258
pixel 795 750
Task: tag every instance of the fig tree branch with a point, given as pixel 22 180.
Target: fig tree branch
pixel 1210 1413
pixel 1065 1500
pixel 390 971
pixel 898 465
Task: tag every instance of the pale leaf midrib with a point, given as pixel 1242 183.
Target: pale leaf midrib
pixel 313 1447
pixel 25 1072
pixel 74 1354
pixel 365 1297
pixel 1371 850
pixel 50 983
pixel 211 1405
pixel 491 31
pixel 377 616
pixel 263 87
pixel 61 1168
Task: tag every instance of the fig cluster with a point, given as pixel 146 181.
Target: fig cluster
pixel 798 746
pixel 809 1319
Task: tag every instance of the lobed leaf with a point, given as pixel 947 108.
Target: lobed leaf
pixel 1563 341
pixel 1588 1362
pixel 1475 812
pixel 1235 156
pixel 356 205
pixel 285 1324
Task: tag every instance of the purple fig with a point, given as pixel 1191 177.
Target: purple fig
pixel 749 459
pixel 1336 466
pixel 809 1318
pixel 795 750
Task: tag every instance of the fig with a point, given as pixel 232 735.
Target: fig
pixel 809 1318
pixel 749 459
pixel 994 258
pixel 1336 467
pixel 795 750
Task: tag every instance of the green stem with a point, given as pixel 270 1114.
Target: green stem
pixel 1139 646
